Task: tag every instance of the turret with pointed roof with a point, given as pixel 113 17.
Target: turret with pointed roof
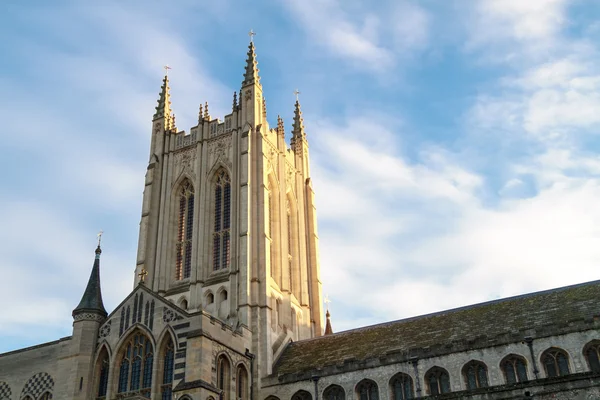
pixel 251 73
pixel 163 109
pixel 91 302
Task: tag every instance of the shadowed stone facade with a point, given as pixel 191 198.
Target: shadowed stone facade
pixel 227 299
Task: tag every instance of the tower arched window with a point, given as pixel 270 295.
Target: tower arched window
pixel 223 376
pixel 334 392
pixel 437 381
pixel 135 369
pixel 367 390
pixel 555 362
pixel 166 388
pixel 592 354
pixel 402 387
pixel 242 382
pixel 475 374
pixel 514 368
pixel 185 224
pixel 102 374
pixel 222 226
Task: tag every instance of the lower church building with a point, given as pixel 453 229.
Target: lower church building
pixel 227 300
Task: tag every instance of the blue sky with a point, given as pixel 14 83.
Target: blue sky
pixel 455 145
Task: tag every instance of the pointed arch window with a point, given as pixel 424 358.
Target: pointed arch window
pixel 223 376
pixel 135 371
pixel 103 366
pixel 592 355
pixel 222 227
pixel 367 390
pixel 556 362
pixel 402 387
pixel 46 396
pixel 437 380
pixel 167 379
pixel 242 382
pixel 514 368
pixel 185 224
pixel 302 395
pixel 475 374
pixel 334 392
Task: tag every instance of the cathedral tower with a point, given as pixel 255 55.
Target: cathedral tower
pixel 228 221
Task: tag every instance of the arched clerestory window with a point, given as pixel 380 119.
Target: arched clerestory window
pixel 514 368
pixel 222 219
pixel 242 383
pixel 168 358
pixel 367 390
pixel 135 368
pixel 555 362
pixel 475 375
pixel 334 392
pixel 437 381
pixel 102 374
pixel 302 395
pixel 591 351
pixel 185 224
pixel 402 387
pixel 224 376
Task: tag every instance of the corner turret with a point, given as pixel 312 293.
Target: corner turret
pixel 91 303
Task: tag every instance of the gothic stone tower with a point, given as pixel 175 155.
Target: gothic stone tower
pixel 228 220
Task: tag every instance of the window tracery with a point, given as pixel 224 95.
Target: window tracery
pixel 367 390
pixel 334 392
pixel 166 387
pixel 402 387
pixel 475 374
pixel 514 368
pixel 222 219
pixel 438 381
pixel 556 362
pixel 592 355
pixel 185 223
pixel 302 395
pixel 135 371
pixel 223 376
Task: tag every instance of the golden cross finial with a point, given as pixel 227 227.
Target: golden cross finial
pixel 251 34
pixel 143 273
pixel 100 236
pixel 167 68
pixel 296 92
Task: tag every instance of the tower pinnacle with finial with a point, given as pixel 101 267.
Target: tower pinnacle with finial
pixel 298 133
pixel 328 329
pixel 163 109
pixel 251 73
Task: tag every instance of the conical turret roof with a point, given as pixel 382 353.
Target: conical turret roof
pixel 91 302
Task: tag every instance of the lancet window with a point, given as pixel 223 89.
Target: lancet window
pixel 438 381
pixel 103 374
pixel 367 390
pixel 556 363
pixel 475 374
pixel 402 387
pixel 135 370
pixel 166 387
pixel 185 223
pixel 222 227
pixel 242 383
pixel 223 376
pixel 514 368
pixel 592 355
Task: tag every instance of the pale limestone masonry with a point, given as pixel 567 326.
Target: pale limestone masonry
pixel 246 322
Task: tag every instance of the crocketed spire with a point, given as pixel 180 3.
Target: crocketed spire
pixel 298 127
pixel 251 73
pixel 280 127
pixel 163 109
pixel 91 302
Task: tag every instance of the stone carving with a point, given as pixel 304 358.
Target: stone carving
pixel 185 161
pixel 105 330
pixel 220 148
pixel 88 317
pixel 38 385
pixel 169 315
pixel 185 140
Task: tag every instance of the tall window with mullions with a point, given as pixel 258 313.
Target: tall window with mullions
pixel 185 224
pixel 167 378
pixel 222 219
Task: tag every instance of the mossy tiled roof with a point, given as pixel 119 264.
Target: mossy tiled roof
pixel 497 322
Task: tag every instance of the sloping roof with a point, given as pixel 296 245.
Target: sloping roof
pixel 487 324
pixel 91 301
